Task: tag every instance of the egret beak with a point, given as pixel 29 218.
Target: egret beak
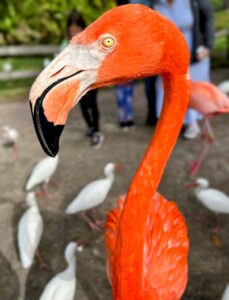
pixel 191 185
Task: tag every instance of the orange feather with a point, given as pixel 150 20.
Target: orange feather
pixel 165 249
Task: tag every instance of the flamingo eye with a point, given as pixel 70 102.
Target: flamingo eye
pixel 108 42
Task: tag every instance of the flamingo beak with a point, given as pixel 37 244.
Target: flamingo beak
pixel 57 90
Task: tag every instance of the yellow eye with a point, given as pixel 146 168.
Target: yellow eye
pixel 108 42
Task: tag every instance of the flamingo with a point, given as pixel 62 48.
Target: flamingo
pixel 207 99
pixel 41 173
pixel 147 239
pixel 10 139
pixel 92 195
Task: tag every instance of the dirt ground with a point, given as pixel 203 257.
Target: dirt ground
pixel 79 164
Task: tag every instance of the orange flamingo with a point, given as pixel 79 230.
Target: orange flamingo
pixel 209 101
pixel 147 238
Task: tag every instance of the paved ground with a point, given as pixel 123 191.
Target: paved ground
pixel 79 164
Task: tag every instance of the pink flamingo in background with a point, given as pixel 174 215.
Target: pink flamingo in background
pixel 207 99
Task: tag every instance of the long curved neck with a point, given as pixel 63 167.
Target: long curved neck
pixel 70 271
pixel 130 240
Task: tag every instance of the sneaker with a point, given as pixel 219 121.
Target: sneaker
pixel 130 124
pixel 97 139
pixel 192 131
pixel 123 126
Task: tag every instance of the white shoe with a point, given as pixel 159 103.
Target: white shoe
pixel 192 131
pixel 97 140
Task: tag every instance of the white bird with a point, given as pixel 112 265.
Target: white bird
pixel 92 195
pixel 63 285
pixel 224 87
pixel 213 199
pixel 42 173
pixel 226 294
pixel 7 67
pixel 10 139
pixel 30 229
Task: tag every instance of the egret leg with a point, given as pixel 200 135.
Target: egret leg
pixel 16 151
pixel 56 183
pixel 97 220
pixel 88 221
pixel 45 190
pixel 41 261
pixel 217 226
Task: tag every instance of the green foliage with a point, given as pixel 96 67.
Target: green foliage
pixel 42 21
pixel 222 19
pixel 217 4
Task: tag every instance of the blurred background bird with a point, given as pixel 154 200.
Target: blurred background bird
pixel 10 139
pixel 224 87
pixel 42 173
pixel 208 100
pixel 213 199
pixel 63 285
pixel 226 294
pixel 30 229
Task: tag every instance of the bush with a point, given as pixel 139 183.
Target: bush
pixel 42 21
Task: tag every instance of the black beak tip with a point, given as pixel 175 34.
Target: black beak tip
pixel 47 133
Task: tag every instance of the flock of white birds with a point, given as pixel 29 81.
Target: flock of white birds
pixel 30 226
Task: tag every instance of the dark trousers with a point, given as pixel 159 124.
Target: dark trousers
pixel 90 110
pixel 150 90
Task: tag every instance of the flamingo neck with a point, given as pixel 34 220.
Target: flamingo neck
pixel 128 260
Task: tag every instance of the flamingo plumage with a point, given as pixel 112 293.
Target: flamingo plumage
pixel 130 41
pixel 207 99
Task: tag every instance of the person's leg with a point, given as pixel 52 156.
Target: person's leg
pixel 94 109
pixel 129 104
pixel 120 92
pixel 97 137
pixel 150 90
pixel 84 105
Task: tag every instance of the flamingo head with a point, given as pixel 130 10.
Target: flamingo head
pixel 127 42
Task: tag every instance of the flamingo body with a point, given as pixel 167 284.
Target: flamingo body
pixel 42 172
pixel 165 249
pixel 30 229
pixel 63 285
pixel 94 193
pixel 207 99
